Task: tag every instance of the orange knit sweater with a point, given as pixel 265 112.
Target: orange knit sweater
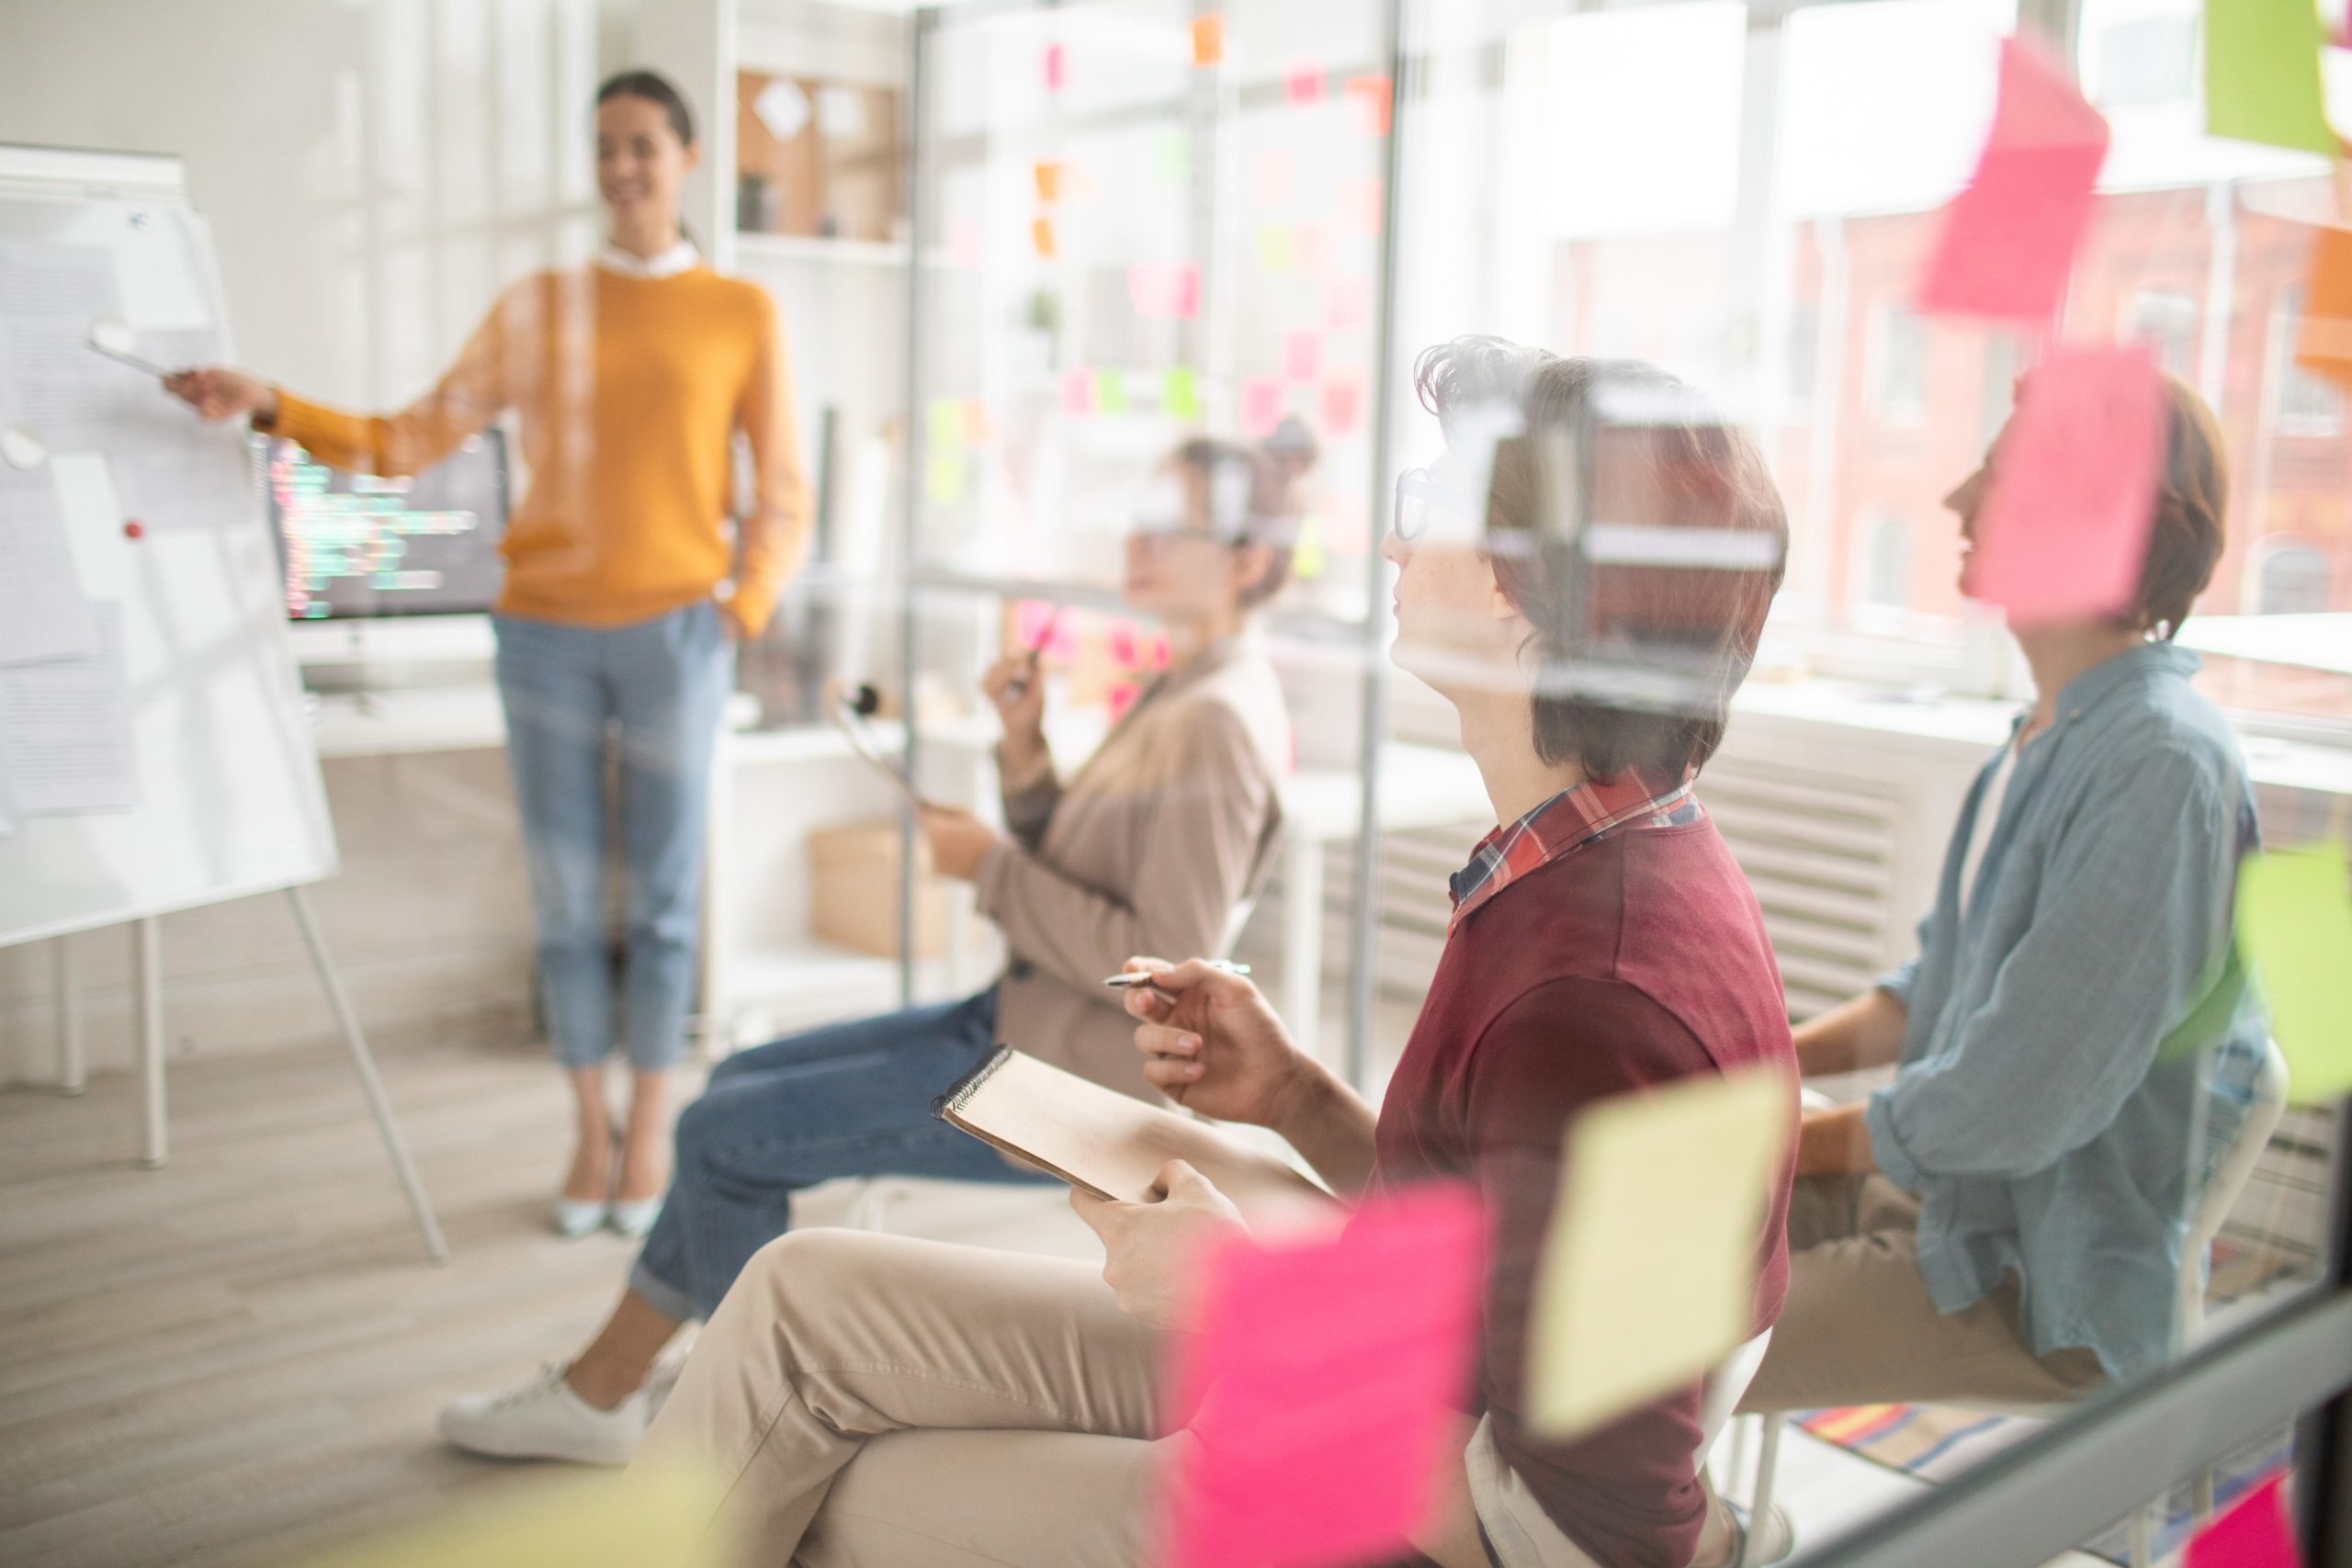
pixel 628 391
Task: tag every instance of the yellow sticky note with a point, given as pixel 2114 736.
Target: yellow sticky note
pixel 944 477
pixel 1273 247
pixel 635 1519
pixel 1307 561
pixel 1049 182
pixel 2295 924
pixel 1648 1275
pixel 944 428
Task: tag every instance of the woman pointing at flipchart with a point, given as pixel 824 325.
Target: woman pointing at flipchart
pixel 622 600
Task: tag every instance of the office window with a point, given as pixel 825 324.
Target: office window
pixel 2165 323
pixel 1884 580
pixel 2147 61
pixel 1804 345
pixel 2290 579
pixel 2306 405
pixel 1898 364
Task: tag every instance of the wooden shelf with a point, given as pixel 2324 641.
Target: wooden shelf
pixel 753 246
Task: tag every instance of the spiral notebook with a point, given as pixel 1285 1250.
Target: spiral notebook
pixel 1113 1145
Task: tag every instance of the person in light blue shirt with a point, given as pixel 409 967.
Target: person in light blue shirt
pixel 2074 1043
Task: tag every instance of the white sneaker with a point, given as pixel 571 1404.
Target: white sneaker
pixel 545 1419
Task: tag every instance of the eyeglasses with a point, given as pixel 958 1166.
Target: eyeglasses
pixel 1425 499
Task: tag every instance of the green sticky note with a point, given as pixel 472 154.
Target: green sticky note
pixel 2261 81
pixel 1110 392
pixel 2295 923
pixel 946 426
pixel 1180 396
pixel 944 477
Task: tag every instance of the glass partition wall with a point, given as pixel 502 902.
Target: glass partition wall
pixel 1140 221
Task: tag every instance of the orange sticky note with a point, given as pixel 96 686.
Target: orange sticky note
pixel 1041 235
pixel 1362 201
pixel 1049 182
pixel 2008 240
pixel 976 426
pixel 1308 251
pixel 1342 403
pixel 2324 346
pixel 1208 39
pixel 2065 521
pixel 1370 95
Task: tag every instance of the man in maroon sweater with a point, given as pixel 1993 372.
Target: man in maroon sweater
pixel 1602 943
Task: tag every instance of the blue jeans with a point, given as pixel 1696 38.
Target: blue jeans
pixel 657 688
pixel 850 1100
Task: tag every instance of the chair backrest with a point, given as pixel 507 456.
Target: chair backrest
pixel 1724 1388
pixel 2230 1173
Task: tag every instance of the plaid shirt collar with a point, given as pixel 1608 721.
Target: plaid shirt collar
pixel 1561 826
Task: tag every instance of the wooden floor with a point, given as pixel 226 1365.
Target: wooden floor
pixel 238 1359
pixel 240 1356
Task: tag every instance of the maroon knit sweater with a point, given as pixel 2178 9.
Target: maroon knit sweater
pixel 1636 960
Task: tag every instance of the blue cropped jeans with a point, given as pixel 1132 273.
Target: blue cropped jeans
pixel 656 689
pixel 849 1100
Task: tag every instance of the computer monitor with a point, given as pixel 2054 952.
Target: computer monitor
pixel 353 545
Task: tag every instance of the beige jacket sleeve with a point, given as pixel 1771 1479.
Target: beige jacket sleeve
pixel 1029 799
pixel 1202 844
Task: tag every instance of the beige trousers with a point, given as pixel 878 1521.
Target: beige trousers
pixel 1860 1327
pixel 880 1402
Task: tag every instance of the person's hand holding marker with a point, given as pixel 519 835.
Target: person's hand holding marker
pixel 217 392
pixel 1018 698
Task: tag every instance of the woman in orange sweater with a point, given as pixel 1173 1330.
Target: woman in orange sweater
pixel 623 597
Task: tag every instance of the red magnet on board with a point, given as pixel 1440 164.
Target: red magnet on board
pixel 134 529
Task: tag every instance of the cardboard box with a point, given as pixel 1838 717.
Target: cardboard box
pixel 854 890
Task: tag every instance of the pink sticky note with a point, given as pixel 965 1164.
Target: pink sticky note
pixel 1171 289
pixel 1319 1389
pixel 1342 404
pixel 2064 524
pixel 1121 637
pixel 1120 697
pixel 1272 172
pixel 1078 392
pixel 1348 305
pixel 1261 405
pixel 1056 65
pixel 963 242
pixel 1032 619
pixel 2008 240
pixel 1302 355
pixel 1303 85
pixel 2254 1534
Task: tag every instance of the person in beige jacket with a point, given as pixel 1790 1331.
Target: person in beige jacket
pixel 1153 845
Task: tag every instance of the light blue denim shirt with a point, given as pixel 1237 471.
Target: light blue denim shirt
pixel 2046 1109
